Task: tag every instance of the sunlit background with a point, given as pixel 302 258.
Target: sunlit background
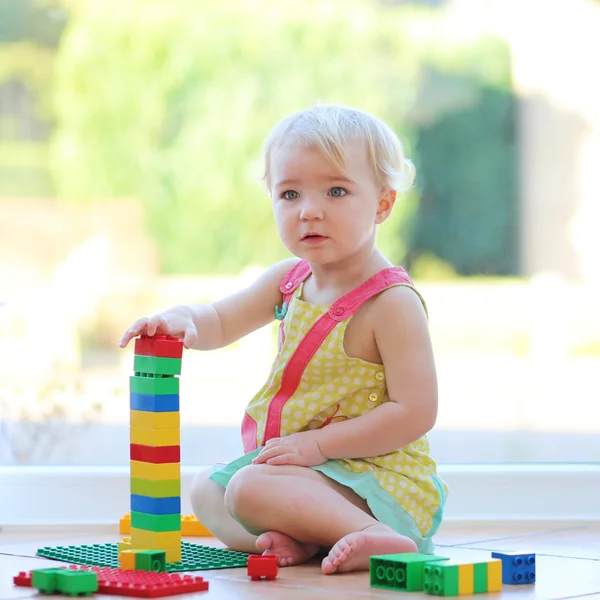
pixel 129 165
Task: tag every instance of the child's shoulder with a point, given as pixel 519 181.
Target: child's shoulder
pixel 401 301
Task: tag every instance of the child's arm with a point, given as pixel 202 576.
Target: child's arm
pixel 211 326
pixel 402 337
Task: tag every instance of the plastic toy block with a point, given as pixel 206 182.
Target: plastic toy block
pixel 194 557
pixel 77 583
pixel 155 454
pixel 494 575
pixel 127 559
pixel 52 581
pixel 517 567
pixel 155 471
pixel 155 437
pixel 151 560
pixel 151 420
pixel 23 579
pixel 441 579
pixel 153 402
pixel 190 526
pixel 156 386
pixel 458 578
pixel 140 520
pixel 156 506
pixel 159 345
pixel 45 580
pixel 158 488
pixel 399 571
pixel 137 584
pixel 156 365
pixel 263 565
pixel 160 540
pixel 466 579
pixel 480 577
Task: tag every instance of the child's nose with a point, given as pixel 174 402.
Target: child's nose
pixel 310 209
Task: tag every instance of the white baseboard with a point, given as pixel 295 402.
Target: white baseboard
pixel 62 497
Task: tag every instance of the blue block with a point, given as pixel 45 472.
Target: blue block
pixel 156 506
pixel 517 567
pixel 152 403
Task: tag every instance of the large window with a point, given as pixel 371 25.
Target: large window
pixel 128 161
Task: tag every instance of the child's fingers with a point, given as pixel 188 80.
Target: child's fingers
pixel 286 459
pixel 155 324
pixel 268 453
pixel 136 329
pixel 190 335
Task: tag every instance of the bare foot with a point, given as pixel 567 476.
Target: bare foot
pixel 289 550
pixel 353 551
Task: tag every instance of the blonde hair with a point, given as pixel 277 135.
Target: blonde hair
pixel 329 127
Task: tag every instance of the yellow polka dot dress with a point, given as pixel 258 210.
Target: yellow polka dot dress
pixel 313 382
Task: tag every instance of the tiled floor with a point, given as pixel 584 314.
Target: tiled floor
pixel 568 564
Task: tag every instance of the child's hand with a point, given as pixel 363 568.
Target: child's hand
pixel 301 449
pixel 176 321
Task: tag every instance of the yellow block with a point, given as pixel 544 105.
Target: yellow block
pixel 173 554
pixel 466 579
pixel 124 545
pixel 494 573
pixel 154 437
pixel 127 559
pixel 125 524
pixel 154 420
pixel 155 540
pixel 155 472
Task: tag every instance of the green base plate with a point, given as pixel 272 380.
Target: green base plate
pixel 194 557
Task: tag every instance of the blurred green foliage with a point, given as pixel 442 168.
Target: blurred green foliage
pixel 467 163
pixel 169 102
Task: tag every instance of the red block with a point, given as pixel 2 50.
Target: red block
pixel 138 584
pixel 263 565
pixel 165 346
pixel 23 579
pixel 155 454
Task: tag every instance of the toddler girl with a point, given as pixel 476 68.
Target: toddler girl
pixel 336 453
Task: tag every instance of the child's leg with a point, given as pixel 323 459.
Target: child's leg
pixel 208 502
pixel 301 509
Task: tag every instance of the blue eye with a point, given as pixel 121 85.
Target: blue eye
pixel 290 195
pixel 337 192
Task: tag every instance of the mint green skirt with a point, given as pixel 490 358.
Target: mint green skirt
pixel 383 506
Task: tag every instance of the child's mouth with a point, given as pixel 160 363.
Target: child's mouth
pixel 313 238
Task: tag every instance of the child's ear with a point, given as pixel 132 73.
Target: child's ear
pixel 386 204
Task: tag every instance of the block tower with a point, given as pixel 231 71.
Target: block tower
pixel 155 446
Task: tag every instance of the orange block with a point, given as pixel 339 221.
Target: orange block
pixel 190 526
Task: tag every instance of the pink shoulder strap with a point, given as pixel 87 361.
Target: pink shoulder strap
pixel 340 310
pixel 293 278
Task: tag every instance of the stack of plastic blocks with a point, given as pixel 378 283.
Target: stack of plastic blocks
pixel 155 447
pixel 435 575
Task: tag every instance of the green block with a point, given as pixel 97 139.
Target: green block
pixel 480 576
pixel 149 522
pixel 156 365
pixel 440 579
pixel 151 560
pixel 45 580
pixel 400 571
pixel 157 386
pixel 166 488
pixel 77 583
pixel 194 557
